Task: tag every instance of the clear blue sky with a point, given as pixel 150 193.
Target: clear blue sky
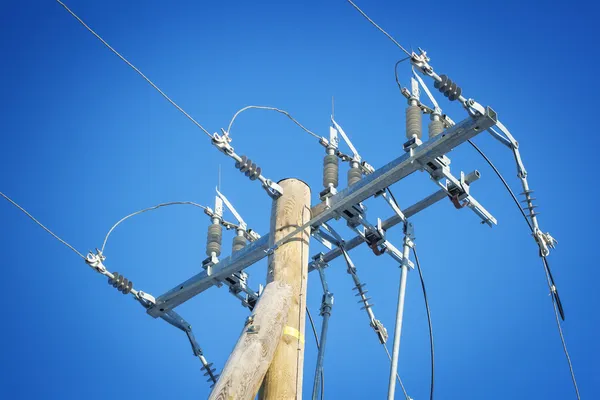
pixel 85 141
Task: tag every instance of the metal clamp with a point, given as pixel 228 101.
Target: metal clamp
pixel 222 142
pixel 326 303
pixel 95 261
pixel 545 241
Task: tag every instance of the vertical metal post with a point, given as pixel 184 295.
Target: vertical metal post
pixel 408 243
pixel 326 306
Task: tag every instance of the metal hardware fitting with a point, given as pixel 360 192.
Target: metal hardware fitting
pixel 95 260
pixel 245 165
pixel 383 177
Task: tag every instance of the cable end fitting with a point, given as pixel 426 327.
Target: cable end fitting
pixel 95 260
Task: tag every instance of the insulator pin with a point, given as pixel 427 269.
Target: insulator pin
pixel 435 128
pixel 239 242
pixel 121 283
pixel 413 122
pixel 248 168
pixel 450 89
pixel 213 239
pixel 330 171
pixel 354 175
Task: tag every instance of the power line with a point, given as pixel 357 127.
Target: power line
pixel 512 194
pixel 378 27
pixel 42 225
pixel 271 109
pixel 556 303
pixel 396 72
pixel 145 210
pixel 555 307
pixel 134 68
pixel 428 322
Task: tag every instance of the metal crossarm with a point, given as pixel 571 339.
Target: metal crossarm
pixel 389 174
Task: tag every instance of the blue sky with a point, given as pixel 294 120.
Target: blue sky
pixel 85 141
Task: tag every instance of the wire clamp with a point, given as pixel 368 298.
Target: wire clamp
pixel 421 61
pixel 222 142
pixel 95 261
pixel 326 303
pixel 545 242
pixel 380 330
pixel 146 299
pixel 273 189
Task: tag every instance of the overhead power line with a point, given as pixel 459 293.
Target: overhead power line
pixel 556 303
pixel 378 27
pixel 271 109
pixel 135 69
pixel 172 203
pixel 428 322
pixel 42 225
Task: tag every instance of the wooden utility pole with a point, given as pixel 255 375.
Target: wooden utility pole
pixel 289 264
pixel 254 351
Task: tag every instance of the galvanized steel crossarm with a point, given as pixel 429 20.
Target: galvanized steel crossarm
pixel 362 190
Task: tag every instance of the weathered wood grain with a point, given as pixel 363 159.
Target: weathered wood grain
pixel 255 349
pixel 289 264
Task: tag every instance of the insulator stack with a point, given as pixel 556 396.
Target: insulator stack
pixel 248 168
pixel 354 175
pixel 239 242
pixel 435 128
pixel 213 240
pixel 413 122
pixel 450 89
pixel 210 372
pixel 121 283
pixel 330 171
pixel 529 204
pixel 362 293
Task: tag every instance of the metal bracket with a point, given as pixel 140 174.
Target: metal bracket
pixel 326 303
pixel 458 189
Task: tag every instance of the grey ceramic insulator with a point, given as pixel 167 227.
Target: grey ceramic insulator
pixel 413 122
pixel 435 128
pixel 354 175
pixel 330 171
pixel 213 239
pixel 239 242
